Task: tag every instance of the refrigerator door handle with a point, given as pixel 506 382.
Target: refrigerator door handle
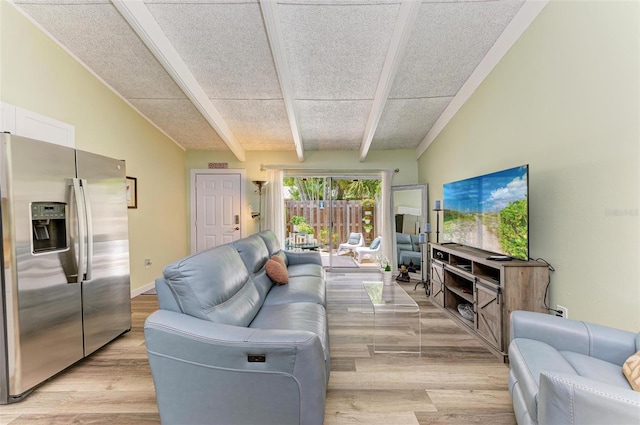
pixel 87 209
pixel 80 204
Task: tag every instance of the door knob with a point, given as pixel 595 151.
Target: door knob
pixel 237 228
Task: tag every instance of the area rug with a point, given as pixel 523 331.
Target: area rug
pixel 343 261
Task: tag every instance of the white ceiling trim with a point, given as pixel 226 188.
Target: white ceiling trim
pixel 521 21
pixel 138 16
pixel 399 39
pixel 276 41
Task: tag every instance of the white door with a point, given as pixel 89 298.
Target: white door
pixel 217 208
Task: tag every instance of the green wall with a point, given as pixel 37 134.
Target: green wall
pixel 565 100
pixel 402 159
pixel 38 75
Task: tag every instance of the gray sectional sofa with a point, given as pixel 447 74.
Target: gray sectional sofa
pixel 228 346
pixel 570 372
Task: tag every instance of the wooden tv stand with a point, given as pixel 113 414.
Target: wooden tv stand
pixel 461 275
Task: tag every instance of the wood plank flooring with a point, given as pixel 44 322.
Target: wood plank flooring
pixel 454 381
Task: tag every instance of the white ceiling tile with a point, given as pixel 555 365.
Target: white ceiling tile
pixel 332 124
pixel 336 51
pixel 257 124
pixel 182 121
pixel 405 122
pixel 340 2
pixel 59 2
pixel 448 41
pixel 224 45
pixel 199 1
pixel 99 36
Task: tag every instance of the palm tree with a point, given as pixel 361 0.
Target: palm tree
pixel 315 188
pixel 361 189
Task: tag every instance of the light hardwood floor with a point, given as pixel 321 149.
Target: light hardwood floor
pixel 454 381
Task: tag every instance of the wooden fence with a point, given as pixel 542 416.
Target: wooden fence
pixel 347 217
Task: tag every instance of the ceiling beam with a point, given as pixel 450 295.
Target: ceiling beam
pixel 399 39
pixel 276 41
pixel 138 16
pixel 518 25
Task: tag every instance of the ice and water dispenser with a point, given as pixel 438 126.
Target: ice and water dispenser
pixel 49 225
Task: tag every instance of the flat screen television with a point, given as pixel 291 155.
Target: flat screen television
pixel 489 212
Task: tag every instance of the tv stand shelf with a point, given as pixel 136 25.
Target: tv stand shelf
pixel 463 275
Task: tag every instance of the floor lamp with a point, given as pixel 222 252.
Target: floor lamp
pixel 259 185
pixel 437 209
pixel 424 241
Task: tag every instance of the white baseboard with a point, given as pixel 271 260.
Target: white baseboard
pixel 143 289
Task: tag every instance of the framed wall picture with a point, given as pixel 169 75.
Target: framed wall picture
pixel 132 192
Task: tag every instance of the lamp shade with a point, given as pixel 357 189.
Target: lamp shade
pixel 259 185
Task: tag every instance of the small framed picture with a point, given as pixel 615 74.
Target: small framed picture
pixel 132 192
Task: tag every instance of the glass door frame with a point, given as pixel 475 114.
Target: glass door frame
pixel 330 177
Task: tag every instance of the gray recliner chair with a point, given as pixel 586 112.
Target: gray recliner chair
pixel 570 372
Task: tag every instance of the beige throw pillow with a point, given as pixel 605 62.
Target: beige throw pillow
pixel 631 369
pixel 277 272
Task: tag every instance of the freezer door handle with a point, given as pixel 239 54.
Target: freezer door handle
pixel 82 226
pixel 87 209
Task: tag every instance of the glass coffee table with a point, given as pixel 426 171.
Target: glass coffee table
pixel 396 318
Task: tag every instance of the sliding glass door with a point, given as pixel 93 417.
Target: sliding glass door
pixel 333 214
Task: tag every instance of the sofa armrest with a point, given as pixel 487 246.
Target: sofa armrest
pixel 167 299
pixel 185 337
pixel 602 342
pixel 305 257
pixel 572 399
pixel 228 364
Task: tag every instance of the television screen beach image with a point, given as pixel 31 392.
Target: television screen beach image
pixel 489 212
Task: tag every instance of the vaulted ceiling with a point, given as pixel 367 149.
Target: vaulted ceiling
pixel 284 74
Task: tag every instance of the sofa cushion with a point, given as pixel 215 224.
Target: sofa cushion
pixel 295 317
pixel 253 251
pixel 295 270
pixel 271 241
pixel 262 282
pixel 528 358
pixel 214 285
pixel 304 257
pixel 631 370
pixel 596 369
pixel 277 272
pixel 300 289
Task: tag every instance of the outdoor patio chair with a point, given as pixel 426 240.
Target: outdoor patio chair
pixel 355 240
pixel 370 250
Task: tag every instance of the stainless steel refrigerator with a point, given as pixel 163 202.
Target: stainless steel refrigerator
pixel 65 276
